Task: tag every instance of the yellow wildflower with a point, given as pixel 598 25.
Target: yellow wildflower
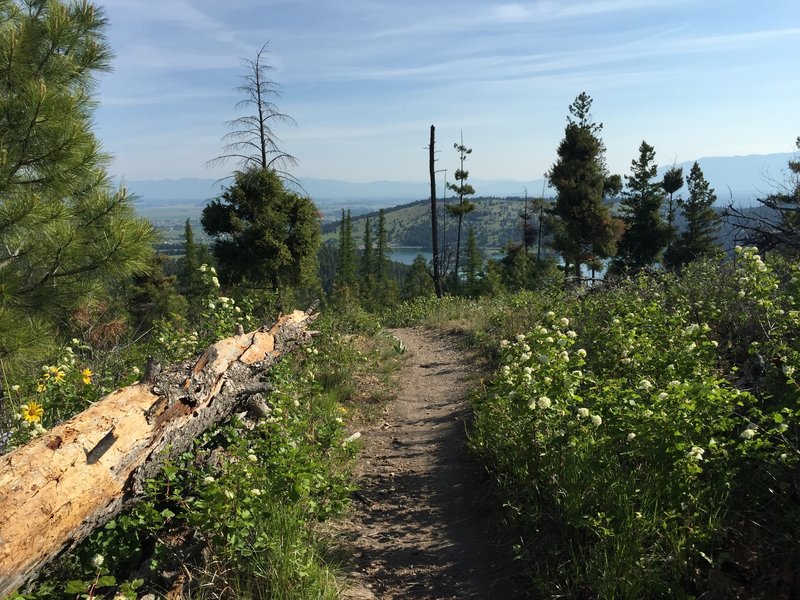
pixel 32 412
pixel 86 374
pixel 41 387
pixel 57 373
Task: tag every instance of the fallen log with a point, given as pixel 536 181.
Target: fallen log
pixel 57 489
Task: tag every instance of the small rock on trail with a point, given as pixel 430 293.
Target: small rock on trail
pixel 422 525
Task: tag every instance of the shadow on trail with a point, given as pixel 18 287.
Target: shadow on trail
pixel 427 526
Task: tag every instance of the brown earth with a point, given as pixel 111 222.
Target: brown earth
pixel 422 524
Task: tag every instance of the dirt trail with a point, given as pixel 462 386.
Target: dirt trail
pixel 421 526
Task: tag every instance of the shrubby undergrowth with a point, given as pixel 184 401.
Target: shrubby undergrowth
pixel 236 516
pixel 644 435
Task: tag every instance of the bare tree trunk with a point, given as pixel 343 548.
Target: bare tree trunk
pixel 57 489
pixel 437 272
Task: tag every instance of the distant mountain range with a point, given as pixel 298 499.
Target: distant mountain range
pixel 740 179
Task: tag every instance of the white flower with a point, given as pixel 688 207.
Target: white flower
pixel 527 370
pixel 520 338
pixel 550 314
pixel 97 561
pixel 504 343
pixel 564 356
pixel 597 420
pixel 135 370
pixel 208 479
pixel 645 385
pixel 353 437
pixel 674 383
pixel 663 396
pixel 543 331
pixel 748 434
pixel 549 340
pixel 696 453
pixel 691 347
pixel 215 281
pixel 15 388
pixel 577 374
pixel 544 402
pixel 252 458
pixel 571 334
pixel 211 305
pixel 255 492
pixel 631 436
pixel 202 268
pixel 532 404
pixel 581 352
pixel 564 321
pixel 583 413
pixel 229 494
pixel 787 370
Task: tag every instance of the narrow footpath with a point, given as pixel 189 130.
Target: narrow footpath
pixel 422 524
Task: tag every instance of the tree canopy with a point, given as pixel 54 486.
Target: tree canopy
pixel 264 233
pixel 66 236
pixel 582 225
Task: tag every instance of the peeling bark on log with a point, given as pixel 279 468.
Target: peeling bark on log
pixel 57 489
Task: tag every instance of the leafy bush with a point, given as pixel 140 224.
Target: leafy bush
pixel 659 451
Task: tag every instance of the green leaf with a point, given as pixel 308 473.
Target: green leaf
pixel 106 581
pixel 75 586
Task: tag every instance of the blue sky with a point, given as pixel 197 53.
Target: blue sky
pixel 365 79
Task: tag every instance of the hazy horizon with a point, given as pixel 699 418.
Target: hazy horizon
pixel 365 80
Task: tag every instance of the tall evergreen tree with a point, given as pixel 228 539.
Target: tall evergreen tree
pixel 346 268
pixel 187 276
pixel 672 182
pixel 65 236
pixel 646 233
pixel 698 239
pixel 581 223
pixel 382 252
pixel 464 205
pixel 264 234
pixel 367 269
pixel 474 263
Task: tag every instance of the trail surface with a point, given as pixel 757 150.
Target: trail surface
pixel 422 526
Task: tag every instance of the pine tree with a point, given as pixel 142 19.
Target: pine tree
pixel 346 266
pixel 474 262
pixel 367 267
pixel 187 275
pixel 698 239
pixel 581 223
pixel 672 182
pixel 382 252
pixel 252 142
pixel 264 234
pixel 67 238
pixel 417 282
pixel 464 206
pixel 646 233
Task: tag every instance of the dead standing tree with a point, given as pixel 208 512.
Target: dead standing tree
pixel 61 486
pixel 251 141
